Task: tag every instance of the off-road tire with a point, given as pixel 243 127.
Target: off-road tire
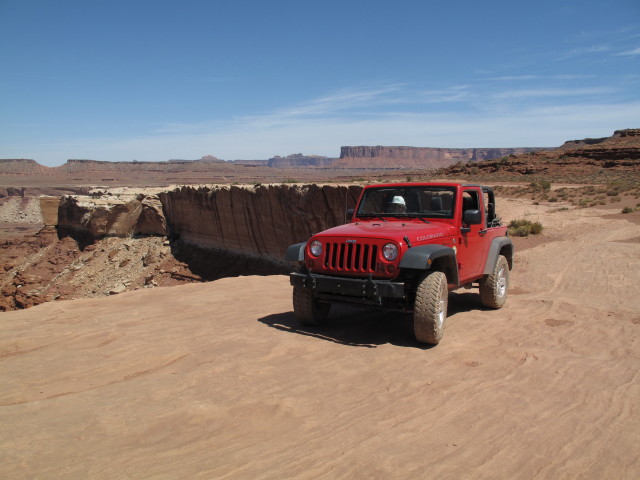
pixel 430 309
pixel 494 288
pixel 307 310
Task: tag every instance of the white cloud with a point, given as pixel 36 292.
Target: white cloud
pixel 362 117
pixel 553 92
pixel 635 51
pixel 549 126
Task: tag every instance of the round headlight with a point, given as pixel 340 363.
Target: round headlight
pixel 390 251
pixel 316 248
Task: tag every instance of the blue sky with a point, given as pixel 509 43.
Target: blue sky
pixel 245 79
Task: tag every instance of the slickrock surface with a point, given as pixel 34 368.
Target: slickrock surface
pixel 217 380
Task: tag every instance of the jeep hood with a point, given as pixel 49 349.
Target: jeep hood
pixel 416 230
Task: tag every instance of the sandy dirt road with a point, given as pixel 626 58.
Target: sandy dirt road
pixel 218 381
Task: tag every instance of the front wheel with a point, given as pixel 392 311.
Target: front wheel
pixel 495 287
pixel 307 310
pixel 430 309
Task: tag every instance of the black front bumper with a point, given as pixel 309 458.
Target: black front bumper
pixel 363 291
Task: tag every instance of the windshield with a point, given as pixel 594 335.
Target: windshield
pixel 415 201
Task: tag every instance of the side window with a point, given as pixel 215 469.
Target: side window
pixel 470 201
pixel 489 209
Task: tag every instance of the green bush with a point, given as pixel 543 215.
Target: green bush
pixel 524 228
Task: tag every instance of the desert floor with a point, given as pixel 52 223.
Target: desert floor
pixel 217 380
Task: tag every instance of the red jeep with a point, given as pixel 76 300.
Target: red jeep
pixel 405 247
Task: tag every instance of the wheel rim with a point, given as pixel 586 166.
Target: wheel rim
pixel 502 283
pixel 442 311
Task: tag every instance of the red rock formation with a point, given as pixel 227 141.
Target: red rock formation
pixel 261 221
pixel 22 166
pixel 49 210
pixel 87 218
pixel 418 157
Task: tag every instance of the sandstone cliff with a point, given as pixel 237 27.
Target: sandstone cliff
pixel 22 166
pixel 87 218
pixel 418 157
pixel 261 221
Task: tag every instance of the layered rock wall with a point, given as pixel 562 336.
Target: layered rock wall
pixel 49 207
pixel 418 157
pixel 261 221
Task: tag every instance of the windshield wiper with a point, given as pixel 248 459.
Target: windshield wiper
pixel 372 215
pixel 418 216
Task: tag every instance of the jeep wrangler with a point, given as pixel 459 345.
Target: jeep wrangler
pixel 405 247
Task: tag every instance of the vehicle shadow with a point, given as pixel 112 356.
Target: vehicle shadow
pixel 357 327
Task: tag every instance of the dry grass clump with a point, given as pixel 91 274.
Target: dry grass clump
pixel 524 228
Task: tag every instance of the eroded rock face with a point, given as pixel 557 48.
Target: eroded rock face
pixel 95 218
pixel 418 157
pixel 259 221
pixel 49 209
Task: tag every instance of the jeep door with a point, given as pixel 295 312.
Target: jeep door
pixel 473 242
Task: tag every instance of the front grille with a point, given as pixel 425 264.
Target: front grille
pixel 350 257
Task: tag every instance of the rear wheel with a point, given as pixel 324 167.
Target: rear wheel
pixel 307 310
pixel 430 309
pixel 495 287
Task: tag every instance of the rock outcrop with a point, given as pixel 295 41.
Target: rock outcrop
pixel 49 206
pixel 88 218
pixel 22 166
pixel 262 221
pixel 418 157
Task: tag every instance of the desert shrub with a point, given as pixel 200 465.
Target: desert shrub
pixel 541 185
pixel 627 210
pixel 524 228
pixel 553 199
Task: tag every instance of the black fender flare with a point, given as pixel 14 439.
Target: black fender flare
pixel 500 244
pixel 295 253
pixel 423 256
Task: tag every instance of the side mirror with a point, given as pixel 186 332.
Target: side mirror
pixel 349 215
pixel 472 217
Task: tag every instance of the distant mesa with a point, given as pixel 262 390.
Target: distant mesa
pixel 300 160
pixel 419 157
pixel 206 158
pixel 622 144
